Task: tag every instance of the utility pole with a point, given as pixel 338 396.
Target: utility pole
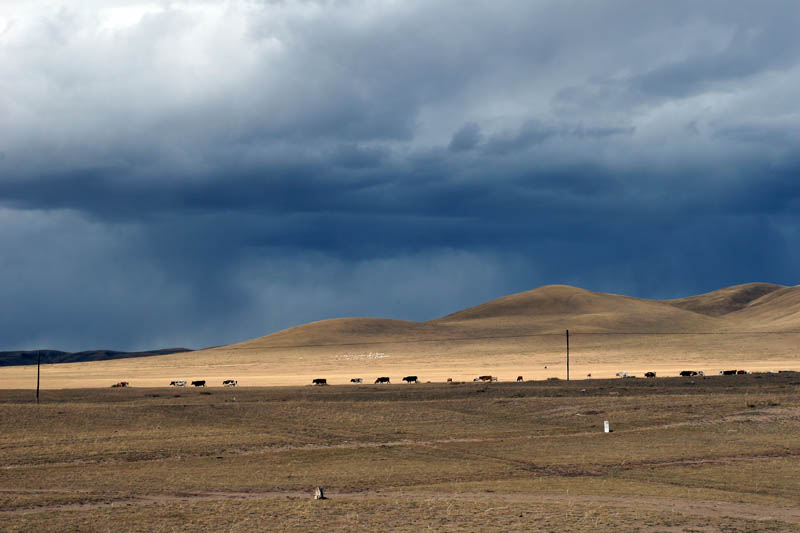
pixel 38 370
pixel 567 355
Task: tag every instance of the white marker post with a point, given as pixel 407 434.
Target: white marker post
pixel 606 428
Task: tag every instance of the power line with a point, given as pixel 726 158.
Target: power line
pixel 526 335
pixel 686 333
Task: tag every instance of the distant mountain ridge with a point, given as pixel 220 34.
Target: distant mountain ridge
pixel 551 309
pixel 728 300
pixel 29 357
pixel 547 310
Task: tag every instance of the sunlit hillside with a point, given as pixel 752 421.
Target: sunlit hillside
pixel 754 326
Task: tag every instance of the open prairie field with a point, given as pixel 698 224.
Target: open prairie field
pixel 685 454
pixel 536 357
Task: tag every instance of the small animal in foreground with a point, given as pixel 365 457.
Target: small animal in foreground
pixel 199 383
pixel 382 379
pixel 410 379
pixel 319 381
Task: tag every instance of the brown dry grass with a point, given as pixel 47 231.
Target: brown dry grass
pixel 685 455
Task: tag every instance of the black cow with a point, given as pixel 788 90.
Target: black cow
pixel 649 374
pixel 410 379
pixel 727 372
pixel 688 373
pixel 382 379
pixel 199 383
pixel 320 381
pixel 356 380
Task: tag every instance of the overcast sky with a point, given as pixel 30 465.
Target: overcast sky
pixel 193 174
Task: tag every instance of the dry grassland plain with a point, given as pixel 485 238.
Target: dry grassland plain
pixel 718 453
pixel 714 453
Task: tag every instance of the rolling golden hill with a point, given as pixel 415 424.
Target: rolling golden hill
pixel 777 311
pixel 728 300
pixel 520 334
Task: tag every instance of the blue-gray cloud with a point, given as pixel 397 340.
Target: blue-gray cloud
pixel 193 175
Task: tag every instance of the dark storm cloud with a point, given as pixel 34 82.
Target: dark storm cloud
pixel 466 138
pixel 201 174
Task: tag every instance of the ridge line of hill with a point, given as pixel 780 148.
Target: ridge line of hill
pixel 546 310
pixel 29 357
pixel 551 309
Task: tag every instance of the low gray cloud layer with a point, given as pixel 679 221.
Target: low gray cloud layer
pixel 202 173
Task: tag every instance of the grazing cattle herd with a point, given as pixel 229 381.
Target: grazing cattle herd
pixel 415 379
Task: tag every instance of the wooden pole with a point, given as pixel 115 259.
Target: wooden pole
pixel 567 355
pixel 38 370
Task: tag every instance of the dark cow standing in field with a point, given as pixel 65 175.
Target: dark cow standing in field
pixel 382 379
pixel 356 380
pixel 727 372
pixel 199 383
pixel 449 380
pixel 320 381
pixel 410 379
pixel 688 373
pixel 519 378
pixel 649 374
pixel 120 384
